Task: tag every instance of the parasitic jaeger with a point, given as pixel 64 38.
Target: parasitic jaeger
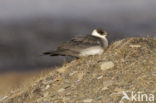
pixel 82 45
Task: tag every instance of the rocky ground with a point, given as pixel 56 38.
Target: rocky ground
pixel 127 65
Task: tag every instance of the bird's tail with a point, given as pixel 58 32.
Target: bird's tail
pixel 51 53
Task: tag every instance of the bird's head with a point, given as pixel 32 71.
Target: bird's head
pixel 99 33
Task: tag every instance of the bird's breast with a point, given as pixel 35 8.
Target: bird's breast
pixel 91 51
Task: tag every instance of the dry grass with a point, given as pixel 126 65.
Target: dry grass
pixel 82 80
pixel 14 82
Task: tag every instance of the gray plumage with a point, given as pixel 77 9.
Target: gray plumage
pixel 75 46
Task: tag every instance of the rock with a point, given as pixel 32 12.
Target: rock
pixel 74 72
pixel 45 94
pixel 119 90
pixel 59 101
pixel 100 77
pixel 107 65
pixel 104 88
pixel 87 100
pixel 3 99
pixel 58 78
pixel 61 70
pixel 135 46
pixel 47 86
pixel 80 75
pixel 61 90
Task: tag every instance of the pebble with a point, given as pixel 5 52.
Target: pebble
pixel 61 90
pixel 100 77
pixel 47 86
pixel 87 100
pixel 45 94
pixel 80 75
pixel 61 70
pixel 2 99
pixel 135 46
pixel 104 88
pixel 71 74
pixel 107 65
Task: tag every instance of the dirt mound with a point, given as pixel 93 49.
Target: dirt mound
pixel 127 65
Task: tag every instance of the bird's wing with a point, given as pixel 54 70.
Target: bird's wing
pixel 82 41
pixel 76 45
pixel 87 40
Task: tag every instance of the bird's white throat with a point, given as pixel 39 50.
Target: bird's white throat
pixel 103 37
pixel 95 33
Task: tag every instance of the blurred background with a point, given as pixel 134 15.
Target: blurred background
pixel 30 27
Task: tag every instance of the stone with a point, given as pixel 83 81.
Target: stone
pixel 47 86
pixel 87 100
pixel 61 70
pixel 61 90
pixel 107 65
pixel 74 72
pixel 135 46
pixel 100 77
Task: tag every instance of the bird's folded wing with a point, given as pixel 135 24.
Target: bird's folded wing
pixel 87 39
pixel 80 42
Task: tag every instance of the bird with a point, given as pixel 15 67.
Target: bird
pixel 82 45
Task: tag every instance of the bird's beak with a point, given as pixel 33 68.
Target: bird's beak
pixel 108 34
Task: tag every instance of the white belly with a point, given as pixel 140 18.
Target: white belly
pixel 91 51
